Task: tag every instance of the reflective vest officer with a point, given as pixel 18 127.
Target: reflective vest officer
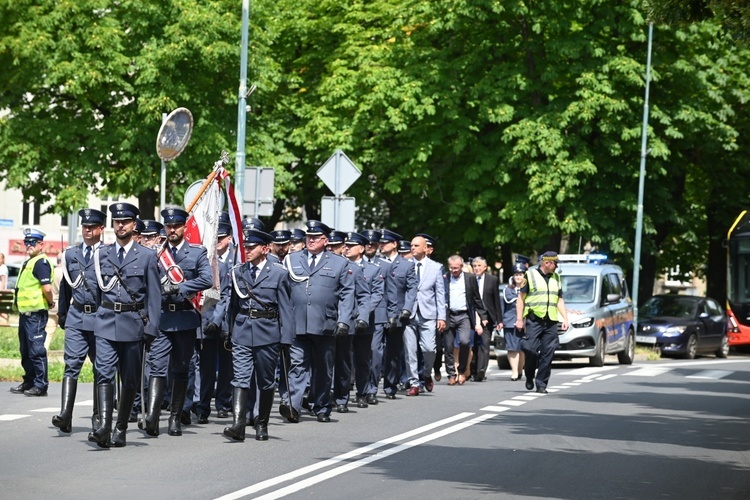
pixel 33 301
pixel 541 303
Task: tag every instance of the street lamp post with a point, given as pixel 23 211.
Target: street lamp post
pixel 239 174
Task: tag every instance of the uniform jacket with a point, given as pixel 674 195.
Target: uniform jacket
pixel 361 295
pixel 323 297
pixel 508 306
pixel 373 275
pixel 86 293
pixel 140 272
pixel 400 286
pixel 473 300
pixel 215 313
pixel 430 290
pixel 380 315
pixel 193 261
pixel 272 287
pixel 491 298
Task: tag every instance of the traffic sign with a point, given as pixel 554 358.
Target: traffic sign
pixel 258 195
pixel 339 173
pixel 338 213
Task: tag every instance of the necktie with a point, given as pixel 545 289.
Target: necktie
pixel 253 273
pixel 419 272
pixel 121 254
pixel 87 255
pixel 174 252
pixel 312 263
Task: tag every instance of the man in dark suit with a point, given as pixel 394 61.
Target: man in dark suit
pixel 129 313
pixel 262 317
pixel 490 292
pixel 174 346
pixel 463 303
pixel 76 311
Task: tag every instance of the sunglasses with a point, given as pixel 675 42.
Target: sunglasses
pixel 30 243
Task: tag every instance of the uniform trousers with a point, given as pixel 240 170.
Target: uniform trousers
pixel 419 332
pixel 539 345
pixel 394 346
pixel 111 355
pixel 362 357
pixel 312 359
pixel 458 332
pixel 31 337
pixel 215 369
pixel 342 369
pixel 172 351
pixel 258 362
pixel 377 346
pixel 78 344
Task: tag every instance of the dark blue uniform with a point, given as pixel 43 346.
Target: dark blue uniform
pixel 401 293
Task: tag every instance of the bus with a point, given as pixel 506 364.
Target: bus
pixel 738 280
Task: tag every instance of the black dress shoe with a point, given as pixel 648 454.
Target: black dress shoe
pixel 202 419
pixel 342 409
pixel 185 418
pixel 372 399
pixel 223 413
pixel 35 392
pixel 362 403
pixel 322 417
pixel 289 413
pixel 390 396
pixel 21 388
pixel 542 391
pixel 529 384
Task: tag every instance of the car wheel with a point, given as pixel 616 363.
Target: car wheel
pixel 691 347
pixel 723 351
pixel 598 359
pixel 503 363
pixel 626 357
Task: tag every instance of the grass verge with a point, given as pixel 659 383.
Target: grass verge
pixel 651 353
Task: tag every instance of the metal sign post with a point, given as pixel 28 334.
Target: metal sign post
pixel 339 173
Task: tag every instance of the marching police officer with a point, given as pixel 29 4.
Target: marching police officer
pixel 214 357
pixel 373 283
pixel 76 310
pixel 379 321
pixel 173 347
pixel 129 312
pixel 281 243
pixel 401 293
pixel 262 320
pixel 297 240
pixel 323 299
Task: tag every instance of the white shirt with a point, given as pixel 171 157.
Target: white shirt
pixel 457 293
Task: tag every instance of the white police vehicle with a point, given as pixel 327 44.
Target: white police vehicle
pixel 600 312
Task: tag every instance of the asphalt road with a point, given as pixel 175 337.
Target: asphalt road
pixel 666 429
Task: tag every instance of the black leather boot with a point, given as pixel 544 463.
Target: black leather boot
pixel 127 396
pixel 63 421
pixel 239 400
pixel 264 412
pixel 156 386
pixel 96 420
pixel 102 435
pixel 179 388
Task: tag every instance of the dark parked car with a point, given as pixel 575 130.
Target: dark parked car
pixel 13 271
pixel 683 325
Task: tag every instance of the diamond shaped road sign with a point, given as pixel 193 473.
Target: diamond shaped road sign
pixel 338 173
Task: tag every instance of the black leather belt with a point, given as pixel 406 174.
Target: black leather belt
pixel 123 307
pixel 456 313
pixel 181 306
pixel 85 308
pixel 260 313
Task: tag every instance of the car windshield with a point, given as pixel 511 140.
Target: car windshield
pixel 578 289
pixel 674 307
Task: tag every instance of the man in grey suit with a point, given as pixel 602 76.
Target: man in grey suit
pixel 428 314
pixel 129 312
pixel 322 290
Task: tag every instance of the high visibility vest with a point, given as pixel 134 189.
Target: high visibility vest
pixel 543 295
pixel 29 295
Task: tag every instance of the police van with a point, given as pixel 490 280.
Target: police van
pixel 600 312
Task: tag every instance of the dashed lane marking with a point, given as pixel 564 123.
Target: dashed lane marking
pixel 8 417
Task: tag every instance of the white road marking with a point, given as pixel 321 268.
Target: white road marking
pixel 572 384
pixel 52 409
pixel 496 409
pixel 372 458
pixel 607 377
pixel 510 402
pixel 589 370
pixel 711 374
pixel 649 371
pixel 341 458
pixel 8 417
pixel 526 397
